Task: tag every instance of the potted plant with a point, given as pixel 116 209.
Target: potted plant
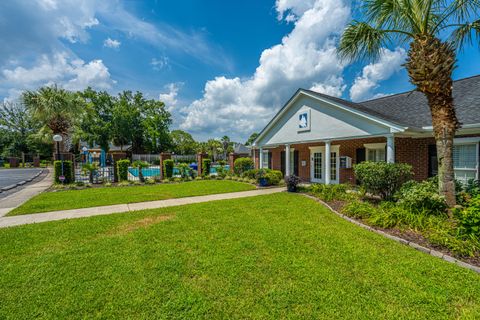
pixel 292 183
pixel 262 178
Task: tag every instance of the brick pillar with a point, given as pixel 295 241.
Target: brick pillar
pixel 116 157
pixel 231 160
pixel 13 162
pixel 36 162
pixel 163 156
pixel 200 157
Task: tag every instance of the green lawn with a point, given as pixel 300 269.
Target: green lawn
pixel 276 256
pixel 74 199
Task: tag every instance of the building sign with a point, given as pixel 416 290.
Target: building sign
pixel 303 120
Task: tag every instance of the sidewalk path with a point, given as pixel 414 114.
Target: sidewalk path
pixel 18 197
pixel 119 208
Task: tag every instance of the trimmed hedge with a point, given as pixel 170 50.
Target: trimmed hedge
pixel 206 164
pixel 67 171
pixel 382 178
pixel 168 168
pixel 122 169
pixel 242 165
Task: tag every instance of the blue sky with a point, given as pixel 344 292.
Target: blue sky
pixel 221 67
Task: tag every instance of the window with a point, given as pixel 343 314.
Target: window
pixel 266 159
pixel 465 162
pixel 333 166
pixel 317 165
pixel 375 152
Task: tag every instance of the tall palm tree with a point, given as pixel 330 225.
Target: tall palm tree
pixel 55 109
pixel 434 30
pixel 225 144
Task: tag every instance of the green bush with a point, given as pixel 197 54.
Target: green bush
pixel 421 196
pixel 168 168
pixel 330 192
pixel 272 179
pixel 206 164
pixel 381 178
pixel 67 171
pixel 359 209
pixel 122 169
pixel 242 165
pixel 251 174
pixel 469 218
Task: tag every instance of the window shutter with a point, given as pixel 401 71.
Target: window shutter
pixel 360 155
pixel 295 162
pixel 282 162
pixel 270 160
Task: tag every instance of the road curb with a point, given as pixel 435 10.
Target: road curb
pixel 21 183
pixel 414 245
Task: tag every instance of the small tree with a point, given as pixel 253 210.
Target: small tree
pixel 206 164
pixel 140 165
pixel 168 168
pixel 242 165
pixel 122 169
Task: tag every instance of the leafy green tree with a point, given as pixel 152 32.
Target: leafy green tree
pixel 434 30
pixel 96 125
pixel 156 122
pixel 126 122
pixel 55 109
pixel 183 142
pixel 251 139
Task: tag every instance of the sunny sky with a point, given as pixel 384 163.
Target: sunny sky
pixel 221 67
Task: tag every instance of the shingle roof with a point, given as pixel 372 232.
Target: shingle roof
pixel 410 109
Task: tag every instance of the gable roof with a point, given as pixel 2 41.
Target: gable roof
pixel 409 109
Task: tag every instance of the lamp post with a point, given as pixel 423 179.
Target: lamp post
pixel 58 138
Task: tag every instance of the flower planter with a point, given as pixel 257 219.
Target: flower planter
pixel 292 188
pixel 263 182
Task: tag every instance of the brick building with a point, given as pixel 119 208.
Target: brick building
pixel 395 128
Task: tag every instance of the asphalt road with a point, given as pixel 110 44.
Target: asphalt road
pixel 13 176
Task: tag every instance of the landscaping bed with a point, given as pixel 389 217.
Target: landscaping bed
pixel 280 256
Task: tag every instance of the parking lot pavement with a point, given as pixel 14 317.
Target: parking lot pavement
pixel 10 177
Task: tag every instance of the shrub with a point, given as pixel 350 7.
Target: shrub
pixel 330 192
pixel 421 196
pixel 122 169
pixel 67 171
pixel 251 174
pixel 359 209
pixel 221 172
pixel 206 164
pixel 107 184
pixel 150 181
pixel 140 165
pixel 381 178
pixel 242 165
pixel 184 170
pixel 469 218
pixel 292 183
pixel 168 168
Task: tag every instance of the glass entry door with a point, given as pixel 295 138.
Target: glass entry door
pixel 317 164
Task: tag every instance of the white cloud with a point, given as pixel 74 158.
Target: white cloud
pixel 67 71
pixel 111 43
pixel 170 97
pixel 388 64
pixel 305 58
pixel 159 64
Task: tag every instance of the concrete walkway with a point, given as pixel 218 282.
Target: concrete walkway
pixel 119 208
pixel 18 197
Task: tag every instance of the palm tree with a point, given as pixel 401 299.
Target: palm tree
pixel 225 144
pixel 55 109
pixel 434 30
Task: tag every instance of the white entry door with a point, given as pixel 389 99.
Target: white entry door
pixel 317 164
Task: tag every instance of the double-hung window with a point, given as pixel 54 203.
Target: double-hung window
pixel 266 159
pixel 465 161
pixel 375 152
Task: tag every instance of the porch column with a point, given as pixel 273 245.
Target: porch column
pixel 328 156
pixel 287 160
pixel 390 149
pixel 260 158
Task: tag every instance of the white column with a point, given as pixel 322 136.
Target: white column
pixel 287 160
pixel 260 158
pixel 327 156
pixel 390 149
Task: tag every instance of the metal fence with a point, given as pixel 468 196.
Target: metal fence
pixel 152 172
pixel 99 175
pixel 188 158
pixel 150 158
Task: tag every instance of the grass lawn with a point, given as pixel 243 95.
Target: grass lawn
pixel 276 256
pixel 85 198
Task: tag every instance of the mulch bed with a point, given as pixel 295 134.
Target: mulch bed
pixel 409 235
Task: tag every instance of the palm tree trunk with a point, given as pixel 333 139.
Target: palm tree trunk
pixel 430 66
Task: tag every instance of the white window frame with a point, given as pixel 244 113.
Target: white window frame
pixel 457 170
pixel 266 160
pixel 376 147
